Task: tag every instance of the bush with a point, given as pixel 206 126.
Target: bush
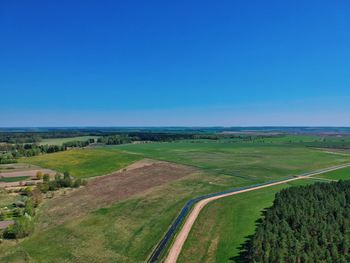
pixel 26 191
pixel 39 175
pixel 43 187
pixel 53 186
pixel 36 197
pixel 77 183
pixel 46 178
pixel 29 207
pixel 21 228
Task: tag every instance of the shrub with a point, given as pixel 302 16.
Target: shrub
pixel 46 178
pixel 39 175
pixel 77 183
pixel 21 228
pixel 43 187
pixel 29 207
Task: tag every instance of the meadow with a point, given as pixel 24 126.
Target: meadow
pixel 84 163
pixel 128 230
pixel 255 162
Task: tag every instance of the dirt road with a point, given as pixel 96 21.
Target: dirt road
pixel 176 248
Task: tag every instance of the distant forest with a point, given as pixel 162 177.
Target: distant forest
pixel 26 142
pixel 305 224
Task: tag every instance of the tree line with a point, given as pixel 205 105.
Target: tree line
pixel 305 224
pixel 10 152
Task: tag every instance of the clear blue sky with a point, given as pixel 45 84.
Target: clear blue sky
pixel 192 63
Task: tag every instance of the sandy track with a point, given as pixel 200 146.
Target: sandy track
pixel 176 248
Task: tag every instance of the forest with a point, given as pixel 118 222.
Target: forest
pixel 305 224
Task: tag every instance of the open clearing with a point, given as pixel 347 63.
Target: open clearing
pixel 104 191
pixel 84 163
pixel 127 230
pixel 254 162
pixel 209 240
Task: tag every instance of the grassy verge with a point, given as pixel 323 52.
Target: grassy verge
pixel 224 225
pixel 342 174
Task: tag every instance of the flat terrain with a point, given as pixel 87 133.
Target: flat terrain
pixel 25 173
pixel 343 174
pixel 60 141
pixel 126 228
pixel 222 226
pixel 84 163
pixel 105 190
pixel 126 231
pixel 256 162
pixel 21 174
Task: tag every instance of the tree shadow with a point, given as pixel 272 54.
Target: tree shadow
pixel 245 248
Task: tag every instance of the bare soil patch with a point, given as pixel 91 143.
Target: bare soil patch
pixel 104 191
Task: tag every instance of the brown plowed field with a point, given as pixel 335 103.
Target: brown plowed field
pixel 105 190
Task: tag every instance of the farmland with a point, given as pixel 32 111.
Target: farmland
pixel 117 226
pixel 255 162
pixel 125 231
pixel 84 163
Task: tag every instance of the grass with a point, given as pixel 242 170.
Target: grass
pixel 13 179
pixel 128 230
pixel 125 232
pixel 84 163
pixel 342 174
pixel 6 199
pixel 223 225
pixel 256 162
pixel 60 141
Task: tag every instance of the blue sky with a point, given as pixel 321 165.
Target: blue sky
pixel 166 63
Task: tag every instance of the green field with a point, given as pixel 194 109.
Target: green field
pixel 124 232
pixel 223 225
pixel 128 230
pixel 84 163
pixel 13 179
pixel 255 162
pixel 342 174
pixel 60 141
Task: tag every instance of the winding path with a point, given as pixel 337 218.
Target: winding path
pixel 176 247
